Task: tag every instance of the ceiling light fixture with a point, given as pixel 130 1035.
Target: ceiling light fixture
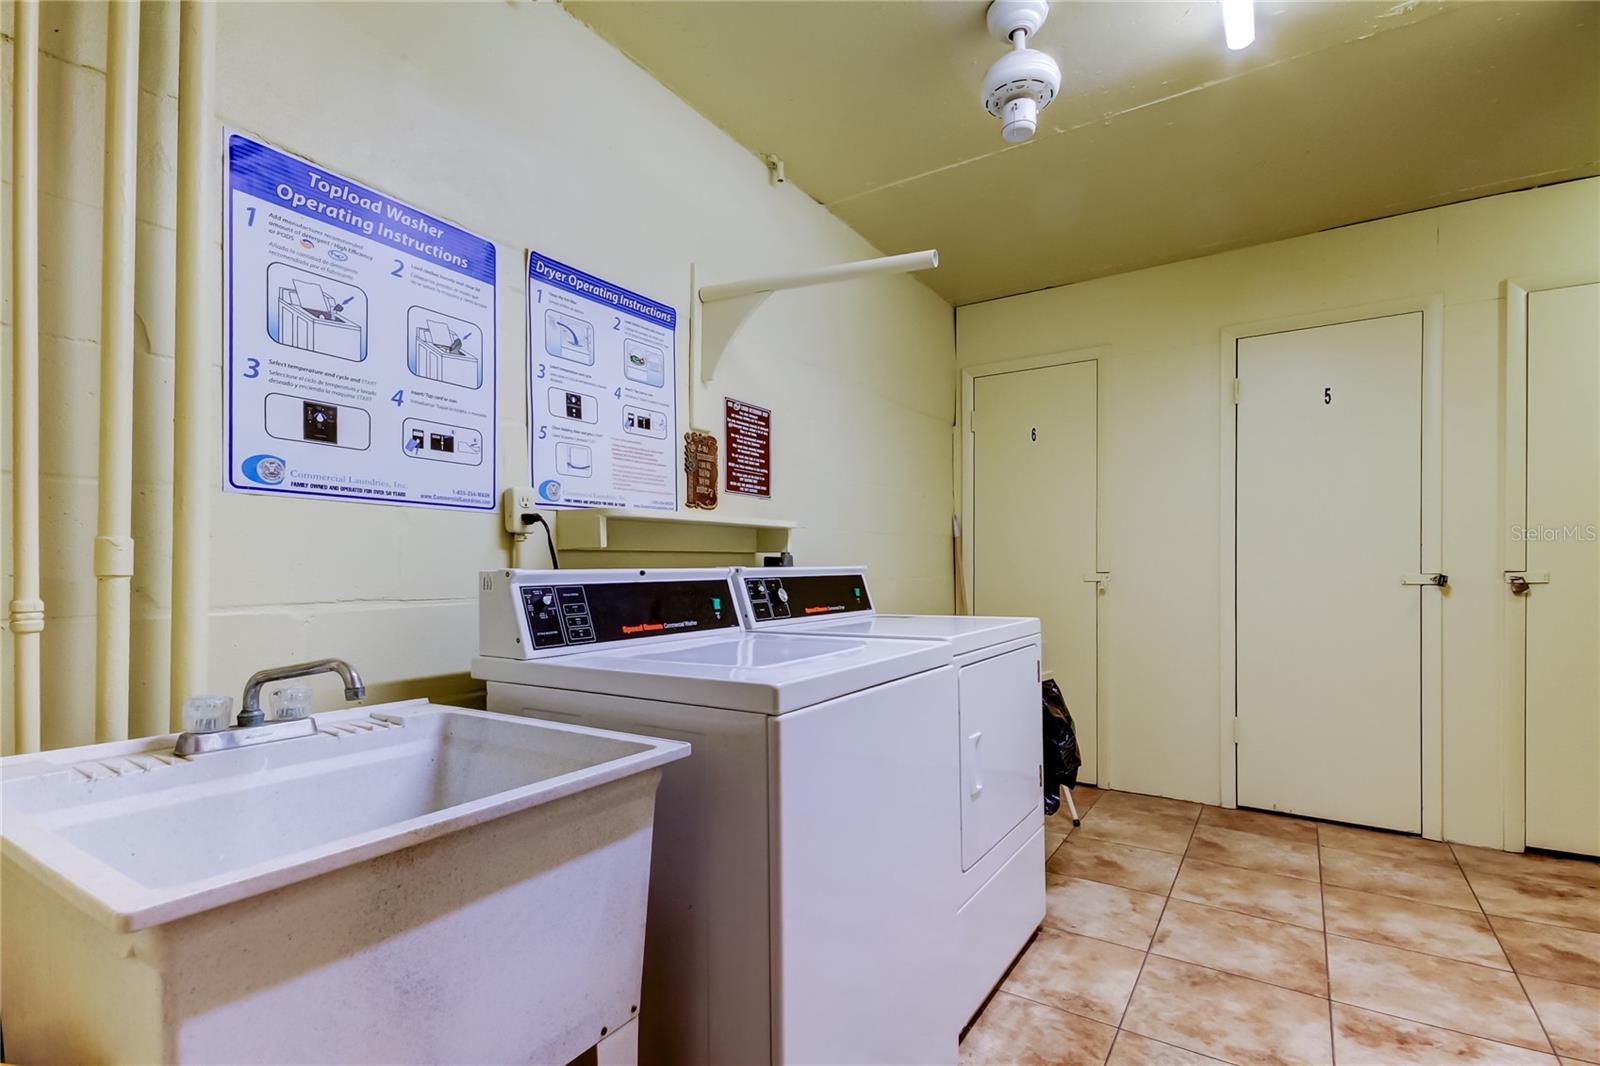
pixel 1023 81
pixel 1239 23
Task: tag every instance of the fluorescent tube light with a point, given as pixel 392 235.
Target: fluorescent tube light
pixel 1239 23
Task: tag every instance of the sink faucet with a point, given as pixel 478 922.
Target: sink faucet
pixel 252 726
pixel 251 714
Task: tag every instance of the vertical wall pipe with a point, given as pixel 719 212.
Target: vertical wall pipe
pixel 194 391
pixel 27 609
pixel 113 547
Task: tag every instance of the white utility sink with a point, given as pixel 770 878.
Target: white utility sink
pixel 412 883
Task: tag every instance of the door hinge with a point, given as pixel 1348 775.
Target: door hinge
pixel 1236 729
pixel 1236 392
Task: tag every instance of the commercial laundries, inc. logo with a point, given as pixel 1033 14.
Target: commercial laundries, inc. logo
pixel 263 469
pixel 550 489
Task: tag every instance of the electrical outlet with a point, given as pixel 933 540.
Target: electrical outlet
pixel 517 507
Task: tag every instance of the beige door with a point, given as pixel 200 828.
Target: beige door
pixel 1563 664
pixel 1329 513
pixel 1033 521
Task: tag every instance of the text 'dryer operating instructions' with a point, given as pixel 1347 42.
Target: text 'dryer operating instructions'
pixel 602 392
pixel 360 341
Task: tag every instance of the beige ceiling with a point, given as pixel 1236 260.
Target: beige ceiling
pixel 1163 145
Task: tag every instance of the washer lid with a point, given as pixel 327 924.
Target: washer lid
pixel 965 633
pixel 767 673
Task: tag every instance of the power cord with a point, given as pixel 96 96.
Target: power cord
pixel 549 538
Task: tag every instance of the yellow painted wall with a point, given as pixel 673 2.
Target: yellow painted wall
pixel 515 121
pixel 1159 424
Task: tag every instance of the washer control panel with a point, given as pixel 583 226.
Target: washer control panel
pixel 557 615
pixel 802 594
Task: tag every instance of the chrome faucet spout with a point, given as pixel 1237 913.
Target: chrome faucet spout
pixel 250 713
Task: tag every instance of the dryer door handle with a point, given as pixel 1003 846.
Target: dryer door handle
pixel 971 765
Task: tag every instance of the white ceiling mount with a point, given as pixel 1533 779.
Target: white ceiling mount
pixel 1017 87
pixel 1024 80
pixel 1008 16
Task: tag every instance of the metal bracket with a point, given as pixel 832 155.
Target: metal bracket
pixel 1521 580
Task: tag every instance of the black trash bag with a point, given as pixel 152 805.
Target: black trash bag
pixel 1061 756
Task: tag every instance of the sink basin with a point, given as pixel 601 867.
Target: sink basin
pixel 370 893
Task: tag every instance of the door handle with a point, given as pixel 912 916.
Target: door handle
pixel 1436 580
pixel 1522 580
pixel 974 769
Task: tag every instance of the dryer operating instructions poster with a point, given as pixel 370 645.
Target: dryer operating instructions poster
pixel 361 344
pixel 602 392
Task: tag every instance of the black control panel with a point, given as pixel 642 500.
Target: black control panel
pixel 803 596
pixel 558 615
pixel 604 612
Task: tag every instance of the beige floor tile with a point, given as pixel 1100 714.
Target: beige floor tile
pixel 1402 923
pixel 1576 872
pixel 1137 821
pixel 1361 1036
pixel 1251 851
pixel 1537 900
pixel 1281 826
pixel 1085 797
pixel 1470 999
pixel 1076 974
pixel 1105 912
pixel 1057 828
pixel 1389 845
pixel 1131 1049
pixel 1108 862
pixel 1282 899
pixel 1571 1015
pixel 1279 954
pixel 1426 882
pixel 1016 1030
pixel 1228 1017
pixel 1552 951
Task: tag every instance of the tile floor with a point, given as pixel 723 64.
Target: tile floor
pixel 1177 933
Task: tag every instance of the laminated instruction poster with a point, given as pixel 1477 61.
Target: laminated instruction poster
pixel 361 344
pixel 602 392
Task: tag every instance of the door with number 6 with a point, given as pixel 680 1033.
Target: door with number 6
pixel 1034 492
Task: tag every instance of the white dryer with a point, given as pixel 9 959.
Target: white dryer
pixel 799 897
pixel 1001 846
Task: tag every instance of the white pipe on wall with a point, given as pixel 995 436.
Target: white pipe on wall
pixel 27 609
pixel 194 387
pixel 113 547
pixel 888 264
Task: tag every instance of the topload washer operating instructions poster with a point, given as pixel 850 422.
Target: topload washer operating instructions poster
pixel 361 341
pixel 602 392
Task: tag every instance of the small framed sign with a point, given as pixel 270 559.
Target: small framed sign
pixel 700 469
pixel 749 436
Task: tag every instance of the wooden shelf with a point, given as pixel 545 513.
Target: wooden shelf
pixel 608 538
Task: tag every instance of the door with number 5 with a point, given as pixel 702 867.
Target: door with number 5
pixel 1328 528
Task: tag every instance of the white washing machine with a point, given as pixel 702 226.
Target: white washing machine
pixel 1001 846
pixel 799 897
